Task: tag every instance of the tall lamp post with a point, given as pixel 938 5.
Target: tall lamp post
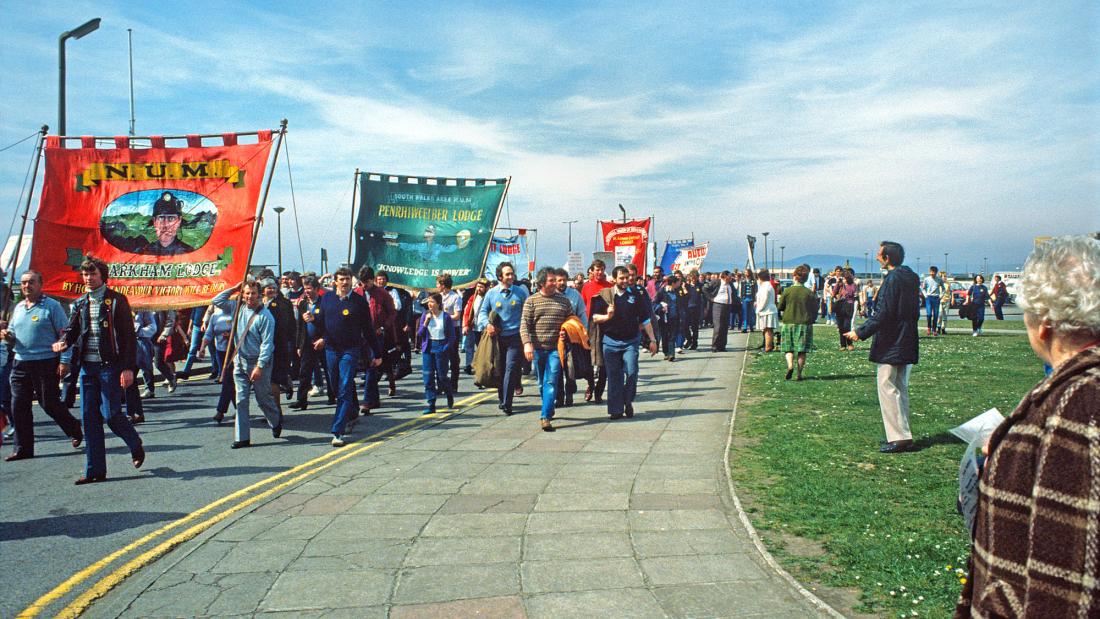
pixel 867 263
pixel 570 224
pixel 766 249
pixel 624 212
pixel 782 259
pixel 946 273
pixel 76 33
pixel 279 234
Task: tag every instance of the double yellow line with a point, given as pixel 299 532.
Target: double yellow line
pixel 207 516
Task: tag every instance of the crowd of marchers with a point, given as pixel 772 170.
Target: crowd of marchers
pixel 306 335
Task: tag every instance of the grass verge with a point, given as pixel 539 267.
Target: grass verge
pixel 1010 325
pixel 806 462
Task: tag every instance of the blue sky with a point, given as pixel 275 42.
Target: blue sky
pixel 950 127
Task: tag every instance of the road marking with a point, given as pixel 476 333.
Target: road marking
pixel 81 603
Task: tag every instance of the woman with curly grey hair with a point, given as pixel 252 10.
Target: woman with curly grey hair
pixel 1037 529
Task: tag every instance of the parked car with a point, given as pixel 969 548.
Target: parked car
pixel 958 293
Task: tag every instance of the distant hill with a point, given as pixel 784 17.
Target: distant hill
pixel 828 261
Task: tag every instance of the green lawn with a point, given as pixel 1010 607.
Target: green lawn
pixel 806 460
pixel 1013 325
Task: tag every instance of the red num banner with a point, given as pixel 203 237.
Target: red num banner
pixel 174 225
pixel 628 240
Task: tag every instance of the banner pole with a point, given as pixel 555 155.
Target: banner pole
pixel 500 205
pixel 14 262
pixel 354 199
pixel 252 246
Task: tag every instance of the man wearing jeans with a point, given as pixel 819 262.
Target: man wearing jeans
pixel 621 312
pixel 255 345
pixel 507 301
pixel 344 328
pixel 895 347
pixel 101 337
pixel 932 289
pixel 540 329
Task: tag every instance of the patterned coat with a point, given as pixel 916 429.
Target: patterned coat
pixel 1036 547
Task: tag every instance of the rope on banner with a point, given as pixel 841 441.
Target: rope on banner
pixel 294 203
pixel 22 191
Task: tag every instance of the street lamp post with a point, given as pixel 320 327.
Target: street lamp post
pixel 946 273
pixel 867 263
pixel 624 212
pixel 279 234
pixel 984 261
pixel 766 249
pixel 782 258
pixel 76 33
pixel 570 224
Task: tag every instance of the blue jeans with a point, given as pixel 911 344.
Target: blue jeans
pixel 511 358
pixel 621 360
pixel 101 400
pixel 472 339
pixel 748 314
pixel 548 369
pixel 435 361
pixel 145 352
pixel 193 350
pixel 342 366
pixel 932 311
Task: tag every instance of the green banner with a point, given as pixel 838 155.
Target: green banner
pixel 417 228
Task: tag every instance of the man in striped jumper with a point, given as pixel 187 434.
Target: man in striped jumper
pixel 539 330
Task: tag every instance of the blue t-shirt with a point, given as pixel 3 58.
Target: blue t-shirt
pixel 37 328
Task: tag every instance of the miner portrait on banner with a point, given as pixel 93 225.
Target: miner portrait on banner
pixel 166 220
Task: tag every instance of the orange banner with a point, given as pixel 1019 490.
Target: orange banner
pixel 629 236
pixel 173 224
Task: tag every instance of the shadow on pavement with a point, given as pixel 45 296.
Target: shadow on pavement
pixel 224 471
pixel 82 525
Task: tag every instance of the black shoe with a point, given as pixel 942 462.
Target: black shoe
pixel 507 410
pixel 76 441
pixel 629 412
pixel 469 370
pixel 240 444
pixel 218 418
pixel 790 373
pixel 138 456
pixel 298 406
pixel 616 415
pixel 450 401
pixel 332 402
pixel 894 447
pixel 18 455
pixel 277 431
pixel 89 480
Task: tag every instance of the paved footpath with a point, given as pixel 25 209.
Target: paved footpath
pixel 487 515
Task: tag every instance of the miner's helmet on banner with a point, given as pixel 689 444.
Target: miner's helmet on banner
pixel 168 204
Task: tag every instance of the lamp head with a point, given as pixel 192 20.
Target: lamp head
pixel 84 29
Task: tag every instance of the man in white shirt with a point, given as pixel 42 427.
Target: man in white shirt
pixel 452 304
pixel 720 307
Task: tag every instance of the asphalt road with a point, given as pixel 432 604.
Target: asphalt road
pixel 50 529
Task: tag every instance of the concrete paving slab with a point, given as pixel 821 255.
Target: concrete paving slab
pixel 485 515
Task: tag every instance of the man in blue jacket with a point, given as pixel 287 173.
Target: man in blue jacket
pixel 506 299
pixel 895 347
pixel 254 343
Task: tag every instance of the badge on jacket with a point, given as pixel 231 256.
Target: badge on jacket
pixel 107 302
pixel 106 324
pixel 34 318
pixel 345 312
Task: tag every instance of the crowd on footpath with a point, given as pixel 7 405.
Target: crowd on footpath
pixel 314 336
pixel 304 335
